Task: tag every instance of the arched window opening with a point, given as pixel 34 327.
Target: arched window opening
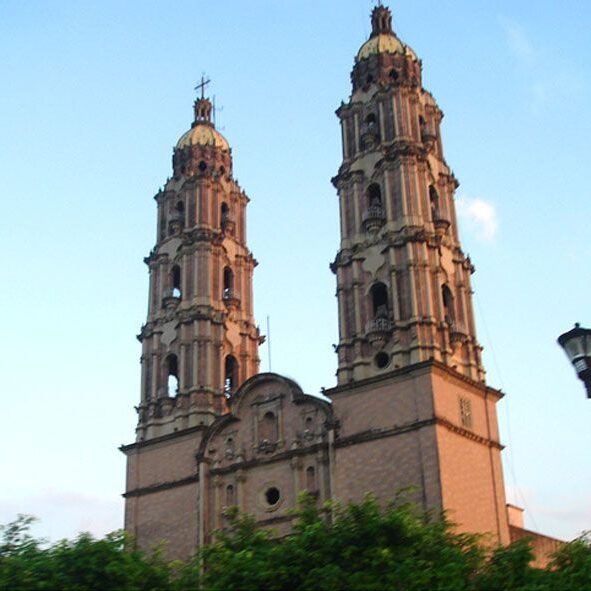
pixel 379 298
pixel 434 202
pixel 448 305
pixel 310 479
pixel 230 495
pixel 176 281
pixel 230 375
pixel 172 375
pixel 228 284
pixel 268 428
pixel 374 195
pixel 371 121
pixel 393 74
pixel 230 447
pixel 202 166
pixel 180 207
pixel 224 215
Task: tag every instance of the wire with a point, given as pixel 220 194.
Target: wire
pixel 510 456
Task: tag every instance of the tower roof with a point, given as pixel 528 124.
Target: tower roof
pixel 203 135
pixel 203 131
pixel 382 38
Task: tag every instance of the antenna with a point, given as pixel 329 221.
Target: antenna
pixel 215 110
pixel 269 340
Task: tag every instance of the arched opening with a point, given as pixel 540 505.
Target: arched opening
pixel 180 208
pixel 448 305
pixel 371 121
pixel 374 195
pixel 228 283
pixel 434 202
pixel 268 428
pixel 224 215
pixel 230 495
pixel 230 375
pixel 175 275
pixel 202 166
pixel 310 479
pixel 393 74
pixel 379 299
pixel 172 375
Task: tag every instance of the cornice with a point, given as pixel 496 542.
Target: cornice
pixel 469 434
pixel 146 490
pixel 375 434
pixel 139 445
pixel 266 460
pixel 423 366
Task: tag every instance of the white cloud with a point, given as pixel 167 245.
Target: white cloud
pixel 518 41
pixel 65 513
pixel 478 216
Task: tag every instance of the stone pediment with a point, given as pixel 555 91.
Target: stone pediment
pixel 268 415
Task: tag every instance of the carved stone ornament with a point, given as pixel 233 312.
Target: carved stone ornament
pixel 169 331
pixel 374 260
pixel 170 247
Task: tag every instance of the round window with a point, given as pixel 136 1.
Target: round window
pixel 272 495
pixel 382 360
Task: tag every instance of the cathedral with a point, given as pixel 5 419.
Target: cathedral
pixel 410 410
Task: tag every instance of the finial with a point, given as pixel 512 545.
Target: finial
pixel 202 85
pixel 381 20
pixel 203 106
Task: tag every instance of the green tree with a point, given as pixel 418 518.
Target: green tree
pixel 110 564
pixel 358 547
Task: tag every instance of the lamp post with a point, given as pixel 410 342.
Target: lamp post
pixel 577 346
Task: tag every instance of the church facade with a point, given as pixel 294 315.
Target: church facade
pixel 411 408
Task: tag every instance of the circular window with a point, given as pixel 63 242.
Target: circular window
pixel 202 166
pixel 272 496
pixel 382 360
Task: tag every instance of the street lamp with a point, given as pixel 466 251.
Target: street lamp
pixel 577 346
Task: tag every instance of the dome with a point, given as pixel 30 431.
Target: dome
pixel 384 43
pixel 203 134
pixel 383 38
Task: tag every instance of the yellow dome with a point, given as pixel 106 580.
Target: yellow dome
pixel 384 43
pixel 203 134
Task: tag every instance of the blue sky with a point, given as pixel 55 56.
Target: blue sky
pixel 94 96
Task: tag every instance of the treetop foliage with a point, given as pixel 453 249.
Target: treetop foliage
pixel 357 547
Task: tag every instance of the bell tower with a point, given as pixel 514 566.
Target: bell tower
pixel 200 341
pixel 403 282
pixel 414 410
